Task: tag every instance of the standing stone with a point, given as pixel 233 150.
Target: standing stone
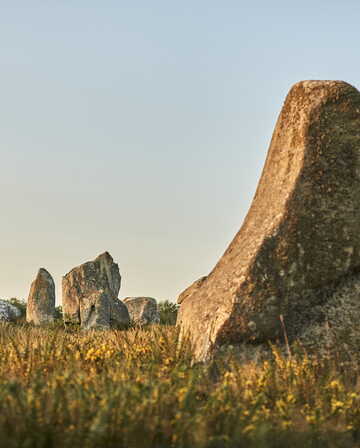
pixel 301 236
pixel 142 310
pixel 119 314
pixel 9 312
pixel 40 308
pixel 89 294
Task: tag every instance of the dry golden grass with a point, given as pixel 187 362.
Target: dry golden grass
pixel 137 388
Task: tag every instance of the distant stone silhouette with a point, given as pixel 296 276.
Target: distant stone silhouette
pixel 142 310
pixel 40 308
pixel 301 237
pixel 89 295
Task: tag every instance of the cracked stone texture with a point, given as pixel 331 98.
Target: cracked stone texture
pixel 301 236
pixel 142 310
pixel 40 308
pixel 89 294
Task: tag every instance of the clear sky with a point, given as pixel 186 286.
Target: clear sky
pixel 141 127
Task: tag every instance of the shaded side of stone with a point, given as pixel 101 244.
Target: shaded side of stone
pixel 333 326
pixel 302 232
pixel 142 310
pixel 119 314
pixel 40 308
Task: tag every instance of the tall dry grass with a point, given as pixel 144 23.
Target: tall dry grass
pixel 137 388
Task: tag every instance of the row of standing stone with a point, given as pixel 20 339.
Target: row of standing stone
pixel 89 298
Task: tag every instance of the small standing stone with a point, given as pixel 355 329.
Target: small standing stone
pixel 142 310
pixel 40 307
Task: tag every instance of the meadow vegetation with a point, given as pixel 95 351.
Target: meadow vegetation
pixel 138 388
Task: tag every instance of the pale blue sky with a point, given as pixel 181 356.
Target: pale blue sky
pixel 141 127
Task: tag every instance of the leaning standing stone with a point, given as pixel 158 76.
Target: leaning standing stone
pixel 302 233
pixel 40 307
pixel 142 310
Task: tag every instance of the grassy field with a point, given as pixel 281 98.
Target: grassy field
pixel 137 388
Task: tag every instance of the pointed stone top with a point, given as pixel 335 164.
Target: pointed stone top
pixel 43 271
pixel 105 256
pixel 99 274
pixel 44 276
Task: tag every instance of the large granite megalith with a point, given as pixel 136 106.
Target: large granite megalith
pixel 40 308
pixel 301 236
pixel 90 295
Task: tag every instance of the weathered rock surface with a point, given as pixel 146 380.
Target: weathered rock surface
pixel 89 294
pixel 142 310
pixel 95 310
pixel 40 308
pixel 333 325
pixel 8 312
pixel 301 236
